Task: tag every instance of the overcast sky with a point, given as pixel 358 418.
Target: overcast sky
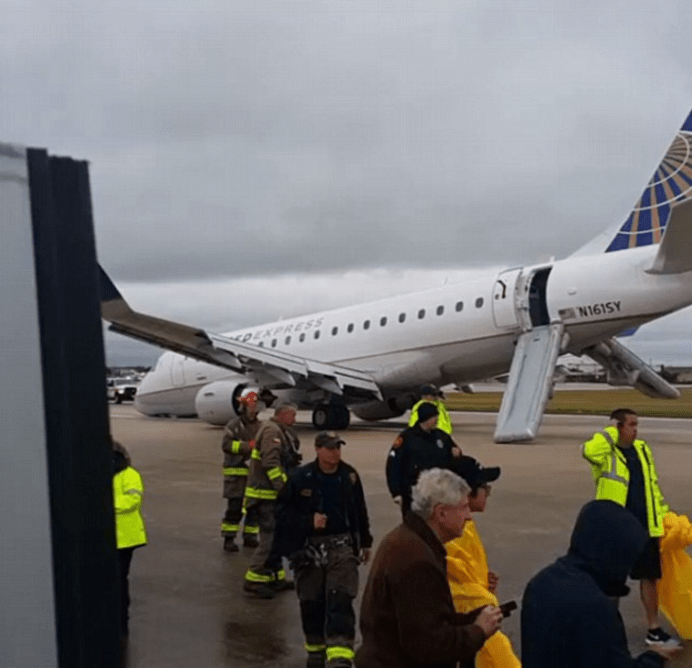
pixel 251 160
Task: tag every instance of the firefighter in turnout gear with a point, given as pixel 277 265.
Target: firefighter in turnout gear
pixel 273 458
pixel 323 528
pixel 238 442
pixel 623 469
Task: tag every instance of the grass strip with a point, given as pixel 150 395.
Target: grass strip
pixel 584 402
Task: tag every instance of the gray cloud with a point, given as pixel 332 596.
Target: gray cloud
pixel 252 139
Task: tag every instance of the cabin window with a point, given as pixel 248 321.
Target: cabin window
pixel 421 314
pixel 288 340
pixel 335 331
pixel 301 338
pixel 459 306
pixel 402 317
pixel 440 310
pixel 383 321
pixel 261 344
pixel 366 324
pixel 349 329
pixel 479 302
pixel 273 343
pixel 316 335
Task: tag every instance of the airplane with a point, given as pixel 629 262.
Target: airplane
pixel 371 359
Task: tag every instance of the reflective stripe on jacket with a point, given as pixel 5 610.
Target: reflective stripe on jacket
pixel 238 434
pixel 612 477
pixel 128 492
pixel 267 475
pixel 444 422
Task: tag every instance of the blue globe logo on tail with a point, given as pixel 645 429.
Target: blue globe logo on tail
pixel 671 183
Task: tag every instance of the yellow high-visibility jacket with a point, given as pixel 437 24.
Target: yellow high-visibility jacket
pixel 128 492
pixel 443 420
pixel 675 585
pixel 612 477
pixel 467 573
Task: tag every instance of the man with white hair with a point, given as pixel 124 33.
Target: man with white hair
pixel 407 616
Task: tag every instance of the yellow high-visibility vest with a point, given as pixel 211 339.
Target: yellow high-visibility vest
pixel 443 420
pixel 612 477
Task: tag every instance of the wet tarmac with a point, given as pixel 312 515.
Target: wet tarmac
pixel 188 608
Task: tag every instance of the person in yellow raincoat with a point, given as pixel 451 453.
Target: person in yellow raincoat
pixel 473 585
pixel 675 585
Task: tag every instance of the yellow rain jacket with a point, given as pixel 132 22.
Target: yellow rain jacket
pixel 467 573
pixel 675 585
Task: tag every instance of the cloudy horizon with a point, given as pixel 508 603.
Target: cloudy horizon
pixel 256 160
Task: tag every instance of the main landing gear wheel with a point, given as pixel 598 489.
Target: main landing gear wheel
pixel 327 416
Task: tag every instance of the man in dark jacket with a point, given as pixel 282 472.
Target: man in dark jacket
pixel 424 447
pixel 407 617
pixel 322 526
pixel 569 618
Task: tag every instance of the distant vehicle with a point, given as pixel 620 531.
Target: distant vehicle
pixel 121 389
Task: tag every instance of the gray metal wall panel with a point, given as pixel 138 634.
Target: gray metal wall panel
pixel 27 622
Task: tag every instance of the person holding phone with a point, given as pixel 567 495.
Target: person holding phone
pixel 472 583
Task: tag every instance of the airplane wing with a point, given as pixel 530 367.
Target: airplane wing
pixel 675 250
pixel 270 368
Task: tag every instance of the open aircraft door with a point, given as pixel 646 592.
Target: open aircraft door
pixel 504 299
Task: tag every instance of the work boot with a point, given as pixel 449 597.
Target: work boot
pixel 258 590
pixel 315 660
pixel 283 585
pixel 250 541
pixel 229 544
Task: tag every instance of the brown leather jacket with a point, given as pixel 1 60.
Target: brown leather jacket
pixel 407 616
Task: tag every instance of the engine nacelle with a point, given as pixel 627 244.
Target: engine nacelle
pixel 217 402
pixel 381 410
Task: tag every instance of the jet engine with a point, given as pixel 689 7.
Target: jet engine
pixel 217 402
pixel 381 410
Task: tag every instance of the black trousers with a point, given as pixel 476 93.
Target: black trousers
pixel 125 559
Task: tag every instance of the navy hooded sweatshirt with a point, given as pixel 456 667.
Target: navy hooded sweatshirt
pixel 568 619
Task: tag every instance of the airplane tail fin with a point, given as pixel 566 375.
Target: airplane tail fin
pixel 670 184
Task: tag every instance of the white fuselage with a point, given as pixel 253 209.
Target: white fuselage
pixel 455 333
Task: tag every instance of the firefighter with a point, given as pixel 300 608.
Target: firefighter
pixel 323 528
pixel 238 441
pixel 275 455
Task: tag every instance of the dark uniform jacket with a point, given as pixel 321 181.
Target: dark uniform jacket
pixel 300 499
pixel 237 435
pixel 568 619
pixel 416 450
pixel 407 616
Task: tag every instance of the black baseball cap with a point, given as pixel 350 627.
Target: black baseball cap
pixel 474 473
pixel 431 391
pixel 328 439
